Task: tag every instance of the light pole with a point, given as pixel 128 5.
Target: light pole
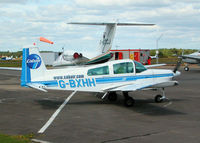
pixel 157 52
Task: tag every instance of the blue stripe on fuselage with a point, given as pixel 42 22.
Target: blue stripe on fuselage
pixel 54 83
pixel 50 83
pixel 129 78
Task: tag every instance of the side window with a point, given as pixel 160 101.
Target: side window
pixel 139 67
pixel 98 71
pixel 123 68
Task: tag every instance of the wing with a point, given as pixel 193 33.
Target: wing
pixel 156 65
pixel 142 86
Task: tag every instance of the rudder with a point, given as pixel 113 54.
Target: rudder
pixel 33 67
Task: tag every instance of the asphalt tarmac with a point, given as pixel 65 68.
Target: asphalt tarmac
pixel 88 119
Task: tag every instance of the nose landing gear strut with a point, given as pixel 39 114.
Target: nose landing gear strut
pixel 160 98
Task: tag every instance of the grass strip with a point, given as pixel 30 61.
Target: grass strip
pixel 15 138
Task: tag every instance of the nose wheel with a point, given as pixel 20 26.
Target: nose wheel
pixel 160 98
pixel 128 101
pixel 186 68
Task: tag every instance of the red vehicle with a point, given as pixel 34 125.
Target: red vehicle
pixel 140 55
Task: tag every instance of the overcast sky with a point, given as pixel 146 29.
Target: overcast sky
pixel 22 22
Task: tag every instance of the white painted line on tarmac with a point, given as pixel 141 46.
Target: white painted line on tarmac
pixel 48 123
pixel 167 104
pixel 39 141
pixel 4 99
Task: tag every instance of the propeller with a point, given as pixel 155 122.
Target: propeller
pixel 177 65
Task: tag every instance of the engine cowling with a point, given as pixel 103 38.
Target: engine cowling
pixel 76 55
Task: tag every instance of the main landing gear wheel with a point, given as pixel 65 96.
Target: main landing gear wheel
pixel 159 98
pixel 128 101
pixel 186 68
pixel 112 96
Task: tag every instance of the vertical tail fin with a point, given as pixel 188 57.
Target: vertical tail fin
pixel 109 33
pixel 108 36
pixel 33 68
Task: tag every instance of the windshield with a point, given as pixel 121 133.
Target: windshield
pixel 139 67
pixel 126 67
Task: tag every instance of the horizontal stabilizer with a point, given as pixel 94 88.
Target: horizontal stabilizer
pixel 37 86
pixel 11 68
pixel 118 24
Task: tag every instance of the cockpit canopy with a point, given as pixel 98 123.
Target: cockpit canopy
pixel 125 67
pixel 139 67
pixel 118 68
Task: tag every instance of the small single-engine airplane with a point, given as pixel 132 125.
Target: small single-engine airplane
pixel 7 58
pixel 193 58
pixel 108 78
pixel 105 45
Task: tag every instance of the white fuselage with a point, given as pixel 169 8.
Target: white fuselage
pixel 192 58
pixel 79 78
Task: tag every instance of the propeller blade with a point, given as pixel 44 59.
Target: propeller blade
pixel 177 65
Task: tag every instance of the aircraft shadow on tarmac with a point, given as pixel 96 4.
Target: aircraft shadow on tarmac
pixel 144 106
pixel 49 104
pixel 149 107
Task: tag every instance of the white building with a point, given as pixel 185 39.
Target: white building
pixel 49 57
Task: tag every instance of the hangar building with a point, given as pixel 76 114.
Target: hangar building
pixel 49 57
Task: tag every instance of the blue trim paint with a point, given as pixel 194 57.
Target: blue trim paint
pixel 129 78
pixel 28 69
pixel 54 83
pixel 25 74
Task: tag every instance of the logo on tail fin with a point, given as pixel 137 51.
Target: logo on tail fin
pixel 33 61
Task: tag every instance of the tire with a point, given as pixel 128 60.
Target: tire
pixel 112 96
pixel 186 68
pixel 129 102
pixel 158 99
